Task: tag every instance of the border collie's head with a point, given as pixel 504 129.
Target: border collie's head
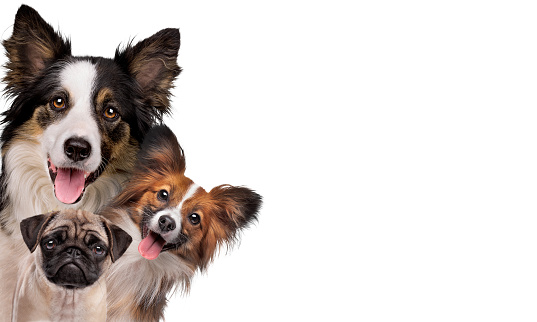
pixel 85 115
pixel 176 215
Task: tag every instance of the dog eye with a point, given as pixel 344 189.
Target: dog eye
pixel 162 195
pixel 99 250
pixel 50 244
pixel 194 219
pixel 57 103
pixel 110 113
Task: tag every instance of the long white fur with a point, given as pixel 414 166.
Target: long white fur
pixel 31 190
pixel 132 276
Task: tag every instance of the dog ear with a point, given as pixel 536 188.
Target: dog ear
pixel 233 208
pixel 32 229
pixel 33 45
pixel 237 206
pixel 160 151
pixel 153 63
pixel 118 240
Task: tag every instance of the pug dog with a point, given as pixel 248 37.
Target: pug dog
pixel 60 281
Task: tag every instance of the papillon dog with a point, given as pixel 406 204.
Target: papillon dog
pixel 176 226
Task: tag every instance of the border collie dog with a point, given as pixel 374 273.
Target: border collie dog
pixel 74 125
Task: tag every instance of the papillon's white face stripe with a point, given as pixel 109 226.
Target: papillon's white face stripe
pixel 78 80
pixel 175 213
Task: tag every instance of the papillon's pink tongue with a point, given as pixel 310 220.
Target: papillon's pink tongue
pixel 151 245
pixel 69 185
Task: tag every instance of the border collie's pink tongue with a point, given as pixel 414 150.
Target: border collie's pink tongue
pixel 151 245
pixel 69 185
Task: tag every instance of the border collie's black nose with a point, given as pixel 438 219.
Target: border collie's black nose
pixel 166 223
pixel 77 149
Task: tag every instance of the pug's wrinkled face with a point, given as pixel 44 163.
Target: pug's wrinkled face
pixel 73 257
pixel 75 246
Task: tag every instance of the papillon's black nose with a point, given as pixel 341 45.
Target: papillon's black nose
pixel 77 149
pixel 166 223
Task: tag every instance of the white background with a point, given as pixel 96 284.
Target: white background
pixel 394 143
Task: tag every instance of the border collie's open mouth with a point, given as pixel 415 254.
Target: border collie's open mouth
pixel 153 244
pixel 70 183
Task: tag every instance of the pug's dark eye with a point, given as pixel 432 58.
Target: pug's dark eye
pixel 99 250
pixel 162 195
pixel 194 219
pixel 50 244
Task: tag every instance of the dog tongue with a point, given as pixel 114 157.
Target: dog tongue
pixel 151 245
pixel 69 185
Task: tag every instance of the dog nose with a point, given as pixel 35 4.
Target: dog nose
pixel 77 149
pixel 166 223
pixel 73 252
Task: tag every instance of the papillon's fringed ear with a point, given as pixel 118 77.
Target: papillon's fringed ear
pixel 232 209
pixel 33 44
pixel 237 207
pixel 153 63
pixel 160 152
pixel 32 229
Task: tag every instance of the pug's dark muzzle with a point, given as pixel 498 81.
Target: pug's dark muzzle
pixel 70 276
pixel 72 269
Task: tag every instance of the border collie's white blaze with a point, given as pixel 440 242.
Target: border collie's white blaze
pixel 73 145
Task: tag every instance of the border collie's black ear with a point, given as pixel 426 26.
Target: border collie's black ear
pixel 118 240
pixel 161 151
pixel 153 63
pixel 33 45
pixel 32 229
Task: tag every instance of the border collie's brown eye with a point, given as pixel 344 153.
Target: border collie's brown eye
pixel 57 103
pixel 162 195
pixel 110 113
pixel 194 218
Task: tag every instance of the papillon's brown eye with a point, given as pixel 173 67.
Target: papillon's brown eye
pixel 163 195
pixel 194 219
pixel 110 113
pixel 58 103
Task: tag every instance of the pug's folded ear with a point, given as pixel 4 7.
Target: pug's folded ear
pixel 118 240
pixel 32 229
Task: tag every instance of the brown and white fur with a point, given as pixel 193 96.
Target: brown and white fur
pixel 74 125
pixel 174 223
